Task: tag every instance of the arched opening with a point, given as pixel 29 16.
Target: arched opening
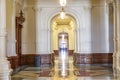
pixel 66 25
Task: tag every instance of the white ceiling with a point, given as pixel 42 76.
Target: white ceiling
pixel 69 2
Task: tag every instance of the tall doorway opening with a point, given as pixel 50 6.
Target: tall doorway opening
pixel 66 25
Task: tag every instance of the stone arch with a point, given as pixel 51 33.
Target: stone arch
pixel 74 15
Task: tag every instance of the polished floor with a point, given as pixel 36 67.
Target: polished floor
pixel 80 72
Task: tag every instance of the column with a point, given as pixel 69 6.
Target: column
pixel 75 41
pixel 78 40
pixel 107 28
pixel 38 22
pixel 4 64
pixel 84 32
pixel 116 56
pixel 13 41
pixel 49 41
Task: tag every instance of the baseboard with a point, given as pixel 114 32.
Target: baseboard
pixel 48 59
pixel 70 52
pixel 31 60
pixel 93 58
pixel 37 59
pixel 13 62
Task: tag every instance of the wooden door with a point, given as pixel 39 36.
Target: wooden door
pixel 19 21
pixel 18 43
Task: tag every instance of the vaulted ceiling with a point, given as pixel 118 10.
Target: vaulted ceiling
pixel 65 21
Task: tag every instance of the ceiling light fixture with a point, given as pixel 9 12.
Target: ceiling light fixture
pixel 63 2
pixel 62 14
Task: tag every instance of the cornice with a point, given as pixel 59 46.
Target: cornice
pixel 18 2
pixel 113 1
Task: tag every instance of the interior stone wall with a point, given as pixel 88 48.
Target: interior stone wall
pixel 92 34
pixel 13 8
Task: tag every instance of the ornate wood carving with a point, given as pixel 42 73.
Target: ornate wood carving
pixel 14 62
pixel 19 25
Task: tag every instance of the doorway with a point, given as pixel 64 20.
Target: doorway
pixel 66 25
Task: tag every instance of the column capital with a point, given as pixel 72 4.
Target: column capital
pixel 34 8
pixel 117 1
pixel 18 2
pixel 109 1
pixel 20 20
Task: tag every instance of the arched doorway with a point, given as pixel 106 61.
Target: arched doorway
pixel 66 25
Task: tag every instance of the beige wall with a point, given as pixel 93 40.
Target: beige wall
pixel 9 12
pixel 28 32
pixel 13 8
pixel 99 32
pixel 102 30
pixel 92 26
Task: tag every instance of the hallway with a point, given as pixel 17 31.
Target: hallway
pixel 81 72
pixel 30 32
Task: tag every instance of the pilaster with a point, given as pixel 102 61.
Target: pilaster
pixel 116 56
pixel 42 34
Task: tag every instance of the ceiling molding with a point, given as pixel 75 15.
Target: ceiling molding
pixel 18 2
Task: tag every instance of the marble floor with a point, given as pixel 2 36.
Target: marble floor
pixel 81 72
